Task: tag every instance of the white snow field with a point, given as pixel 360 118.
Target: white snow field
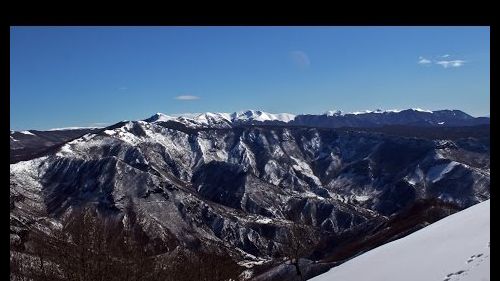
pixel 454 248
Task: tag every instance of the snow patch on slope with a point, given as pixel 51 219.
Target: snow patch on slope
pixel 416 177
pixel 160 117
pixel 24 180
pixel 437 172
pixel 74 128
pixel 375 111
pixel 334 113
pixel 304 168
pixel 27 167
pixel 422 110
pixel 257 115
pixel 454 248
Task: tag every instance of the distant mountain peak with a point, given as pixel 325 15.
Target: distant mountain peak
pixel 331 119
pixel 378 110
pixel 158 117
pixel 258 115
pixel 421 110
pixel 333 113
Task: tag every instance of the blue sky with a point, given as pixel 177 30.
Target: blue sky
pixel 91 76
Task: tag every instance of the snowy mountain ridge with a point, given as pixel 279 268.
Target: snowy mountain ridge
pixel 221 119
pixel 191 181
pixel 341 113
pixel 330 119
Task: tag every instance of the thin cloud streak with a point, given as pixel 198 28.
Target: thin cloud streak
pixel 442 61
pixel 451 63
pixel 422 60
pixel 187 97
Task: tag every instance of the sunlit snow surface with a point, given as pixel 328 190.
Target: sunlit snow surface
pixel 223 120
pixel 454 248
pixel 437 172
pixel 27 133
pixel 74 128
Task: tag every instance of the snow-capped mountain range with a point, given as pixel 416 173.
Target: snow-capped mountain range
pixel 242 180
pixel 330 119
pixel 380 111
pixel 222 120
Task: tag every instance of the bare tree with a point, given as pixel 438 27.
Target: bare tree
pixel 297 244
pixel 92 247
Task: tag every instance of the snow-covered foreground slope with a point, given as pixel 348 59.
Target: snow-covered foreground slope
pixel 454 248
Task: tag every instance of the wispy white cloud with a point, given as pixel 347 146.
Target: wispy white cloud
pixel 123 88
pixel 450 63
pixel 300 59
pixel 187 97
pixel 422 60
pixel 442 60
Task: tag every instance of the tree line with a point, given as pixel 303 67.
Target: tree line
pixel 90 247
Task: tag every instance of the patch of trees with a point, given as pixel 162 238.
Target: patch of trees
pixel 91 247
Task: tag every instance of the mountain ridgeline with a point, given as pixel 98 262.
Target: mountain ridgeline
pixel 245 181
pixel 377 118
